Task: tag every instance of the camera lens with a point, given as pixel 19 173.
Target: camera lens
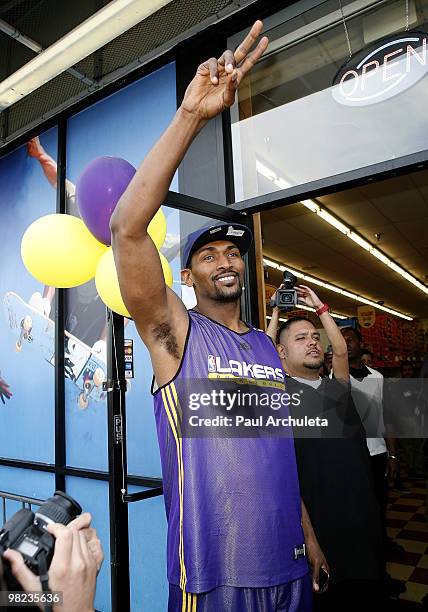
pixel 60 508
pixel 287 297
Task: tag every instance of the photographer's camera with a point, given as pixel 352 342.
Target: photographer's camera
pixel 286 297
pixel 26 533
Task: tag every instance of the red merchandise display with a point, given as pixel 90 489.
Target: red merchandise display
pixel 392 341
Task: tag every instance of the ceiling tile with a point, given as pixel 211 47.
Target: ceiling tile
pixel 416 265
pixel 420 181
pixel 342 198
pixel 281 232
pixel 402 205
pixel 392 242
pixel 285 212
pixel 415 231
pixel 312 225
pixel 380 189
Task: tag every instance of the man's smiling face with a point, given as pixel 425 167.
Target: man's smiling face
pixel 216 272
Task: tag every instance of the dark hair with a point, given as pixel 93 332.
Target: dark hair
pixel 407 363
pixel 366 351
pixel 287 324
pixel 356 331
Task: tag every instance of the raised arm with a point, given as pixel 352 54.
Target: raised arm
pixel 159 314
pixel 272 328
pixel 340 351
pixel 49 166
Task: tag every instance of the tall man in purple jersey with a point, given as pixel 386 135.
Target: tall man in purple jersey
pixel 235 537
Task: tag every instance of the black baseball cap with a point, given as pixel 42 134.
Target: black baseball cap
pixel 239 234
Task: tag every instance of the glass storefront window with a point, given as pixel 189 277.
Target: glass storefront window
pixel 27 319
pixel 332 95
pixel 125 126
pixel 92 495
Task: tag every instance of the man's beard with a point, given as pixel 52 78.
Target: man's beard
pixel 228 297
pixel 313 365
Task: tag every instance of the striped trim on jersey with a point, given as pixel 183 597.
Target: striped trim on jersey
pixel 189 602
pixel 174 414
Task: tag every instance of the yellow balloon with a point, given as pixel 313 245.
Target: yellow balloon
pixel 60 251
pixel 107 282
pixel 157 228
pixel 166 268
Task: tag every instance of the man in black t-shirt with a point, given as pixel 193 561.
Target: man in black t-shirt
pixel 402 408
pixel 367 386
pixel 333 462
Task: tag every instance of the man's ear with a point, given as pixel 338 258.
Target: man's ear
pixel 186 277
pixel 281 351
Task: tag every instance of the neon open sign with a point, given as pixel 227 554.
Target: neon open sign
pixel 383 70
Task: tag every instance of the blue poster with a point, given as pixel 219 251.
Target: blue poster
pixel 27 311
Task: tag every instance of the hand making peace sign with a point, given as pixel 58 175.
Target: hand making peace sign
pixel 212 90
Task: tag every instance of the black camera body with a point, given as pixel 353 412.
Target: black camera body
pixel 286 297
pixel 26 531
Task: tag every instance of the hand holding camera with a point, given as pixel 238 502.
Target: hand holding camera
pixel 285 297
pixel 73 570
pixel 288 296
pixel 308 297
pixel 52 539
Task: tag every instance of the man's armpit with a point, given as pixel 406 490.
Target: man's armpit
pixel 163 334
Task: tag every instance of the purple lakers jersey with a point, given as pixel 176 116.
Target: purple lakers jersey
pixel 233 503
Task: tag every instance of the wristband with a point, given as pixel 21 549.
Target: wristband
pixel 324 308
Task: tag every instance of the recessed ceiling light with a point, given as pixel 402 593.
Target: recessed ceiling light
pixel 364 244
pixel 324 214
pixel 335 289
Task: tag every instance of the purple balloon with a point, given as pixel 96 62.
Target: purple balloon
pixel 98 191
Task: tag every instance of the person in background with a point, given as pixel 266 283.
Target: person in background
pixel 413 447
pixel 407 369
pixel 367 357
pixel 328 359
pixel 367 393
pixel 367 386
pixel 422 406
pixel 324 371
pixel 401 401
pixel 334 464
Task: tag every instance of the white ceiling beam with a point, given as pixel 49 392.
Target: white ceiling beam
pixel 102 27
